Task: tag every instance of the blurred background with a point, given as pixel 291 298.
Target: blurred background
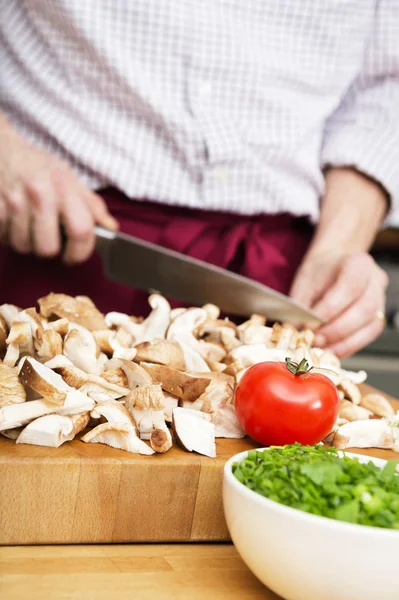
pixel 381 359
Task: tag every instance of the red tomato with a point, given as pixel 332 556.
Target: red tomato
pixel 276 407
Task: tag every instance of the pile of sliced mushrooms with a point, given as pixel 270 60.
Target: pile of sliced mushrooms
pixel 141 384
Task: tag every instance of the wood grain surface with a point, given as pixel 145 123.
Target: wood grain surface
pixel 126 572
pixel 90 493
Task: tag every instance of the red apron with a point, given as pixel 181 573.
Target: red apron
pixel 265 248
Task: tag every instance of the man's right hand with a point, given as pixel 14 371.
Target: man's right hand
pixel 38 194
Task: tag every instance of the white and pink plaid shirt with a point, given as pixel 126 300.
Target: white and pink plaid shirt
pixel 231 105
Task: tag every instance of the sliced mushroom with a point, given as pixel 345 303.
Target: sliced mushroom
pixel 305 337
pixel 161 440
pixel 81 348
pixel 181 330
pixel 146 404
pixel 192 358
pixel 100 389
pixel 44 381
pixel 117 435
pixel 20 342
pixel 3 334
pixel 154 326
pixel 128 354
pixel 53 430
pixel 49 345
pixel 374 433
pixel 9 312
pixel 135 374
pixel 60 326
pixel 350 390
pixel 228 339
pixel 353 412
pixel 171 402
pixel 218 393
pixel 11 389
pixel 194 431
pixel 252 354
pixel 377 404
pixel 284 336
pixel 255 334
pixel 146 397
pixel 17 415
pixel 212 311
pixel 73 376
pixel 357 378
pixel 226 423
pixel 162 352
pixel 113 411
pixel 11 434
pixel 212 352
pixel 76 310
pixel 326 358
pixel 58 361
pixel 182 385
pixel 116 376
pixel 212 330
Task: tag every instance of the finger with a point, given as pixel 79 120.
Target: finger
pixel 349 286
pixel 100 211
pixel 3 220
pixel 45 222
pixel 358 315
pixel 358 340
pixel 79 227
pixel 19 232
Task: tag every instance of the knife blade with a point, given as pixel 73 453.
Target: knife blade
pixel 146 266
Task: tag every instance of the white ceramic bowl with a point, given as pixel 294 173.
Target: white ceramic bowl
pixel 306 557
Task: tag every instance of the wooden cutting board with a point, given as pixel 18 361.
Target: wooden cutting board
pixel 90 493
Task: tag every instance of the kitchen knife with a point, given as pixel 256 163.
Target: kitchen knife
pixel 146 266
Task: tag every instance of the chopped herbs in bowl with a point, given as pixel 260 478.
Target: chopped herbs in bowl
pixel 324 482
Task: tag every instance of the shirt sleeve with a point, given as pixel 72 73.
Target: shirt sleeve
pixel 364 130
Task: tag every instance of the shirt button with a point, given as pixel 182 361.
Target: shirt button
pixel 205 89
pixel 221 174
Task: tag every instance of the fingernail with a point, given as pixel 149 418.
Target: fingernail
pixel 320 340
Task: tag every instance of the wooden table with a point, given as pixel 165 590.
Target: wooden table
pixel 127 572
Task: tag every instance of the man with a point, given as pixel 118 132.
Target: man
pixel 223 129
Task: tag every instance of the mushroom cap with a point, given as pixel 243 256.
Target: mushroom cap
pixel 182 385
pixel 163 352
pixel 44 381
pixel 78 310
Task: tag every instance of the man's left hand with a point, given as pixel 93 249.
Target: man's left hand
pixel 348 292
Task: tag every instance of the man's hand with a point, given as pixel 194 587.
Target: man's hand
pixel 338 278
pixel 349 293
pixel 38 193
